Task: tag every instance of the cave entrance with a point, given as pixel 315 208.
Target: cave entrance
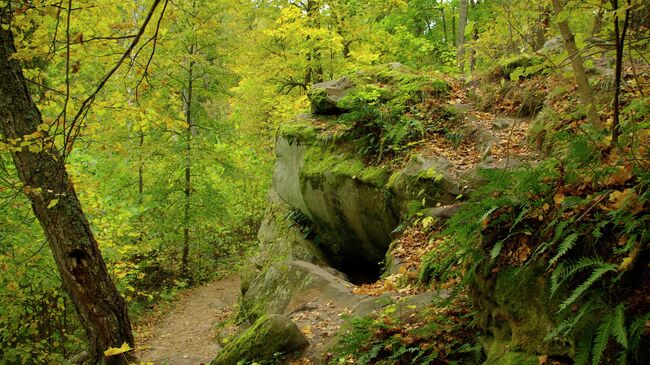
pixel 359 270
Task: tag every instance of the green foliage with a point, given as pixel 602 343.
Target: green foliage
pixel 592 235
pixel 387 110
pixel 399 335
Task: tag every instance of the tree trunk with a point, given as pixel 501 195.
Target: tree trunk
pixel 620 46
pixel 460 34
pixel 472 54
pixel 188 167
pixel 539 31
pixel 101 309
pixel 584 89
pixel 444 24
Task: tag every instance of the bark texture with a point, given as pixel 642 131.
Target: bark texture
pixel 101 308
pixel 460 33
pixel 584 89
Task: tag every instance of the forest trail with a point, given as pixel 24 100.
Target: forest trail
pixel 185 335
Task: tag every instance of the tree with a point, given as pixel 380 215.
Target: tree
pixel 100 306
pixel 460 33
pixel 41 169
pixel 619 39
pixel 584 89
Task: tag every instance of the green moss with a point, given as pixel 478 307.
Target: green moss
pixel 517 308
pixel 429 174
pixel 520 66
pixel 298 131
pixel 269 336
pixel 320 162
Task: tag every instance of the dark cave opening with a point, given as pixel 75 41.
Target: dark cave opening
pixel 359 270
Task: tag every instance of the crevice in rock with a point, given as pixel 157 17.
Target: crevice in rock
pixel 359 270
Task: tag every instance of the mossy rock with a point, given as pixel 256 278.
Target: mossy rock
pixel 301 129
pixel 425 180
pixel 347 201
pixel 271 335
pixel 280 239
pixel 514 358
pixel 516 307
pixel 325 96
pixel 323 163
pixel 520 67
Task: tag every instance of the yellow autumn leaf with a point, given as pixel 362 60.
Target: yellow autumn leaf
pixel 53 202
pixel 620 199
pixel 118 350
pixel 629 260
pixel 558 199
pixel 307 331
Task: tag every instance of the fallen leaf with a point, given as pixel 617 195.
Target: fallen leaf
pixel 624 199
pixel 112 351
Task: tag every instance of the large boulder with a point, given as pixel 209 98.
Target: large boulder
pixel 285 286
pixel 425 179
pixel 270 335
pixel 351 211
pixel 281 239
pixel 516 311
pixel 324 96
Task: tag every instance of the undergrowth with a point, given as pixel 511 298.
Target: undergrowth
pixel 400 334
pixel 586 215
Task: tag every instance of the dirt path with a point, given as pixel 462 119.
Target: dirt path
pixel 185 335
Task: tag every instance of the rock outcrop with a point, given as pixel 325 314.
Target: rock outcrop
pixel 270 335
pixel 336 202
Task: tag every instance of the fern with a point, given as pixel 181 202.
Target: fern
pixel 636 330
pixel 565 271
pixel 595 275
pixel 602 338
pixel 618 326
pixel 496 250
pixel 559 231
pixel 565 246
pixel 569 324
pixel 582 351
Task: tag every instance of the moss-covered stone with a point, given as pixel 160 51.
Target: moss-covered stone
pixel 322 163
pixel 515 307
pixel 346 200
pixel 280 241
pixel 425 180
pixel 520 67
pixel 270 336
pixel 324 96
pixel 299 130
pixel 285 286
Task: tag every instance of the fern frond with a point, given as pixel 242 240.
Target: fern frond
pixel 636 330
pixel 496 250
pixel 561 329
pixel 569 324
pixel 582 351
pixel 565 271
pixel 618 326
pixel 517 220
pixel 601 339
pixel 559 231
pixel 487 214
pixel 595 275
pixel 565 246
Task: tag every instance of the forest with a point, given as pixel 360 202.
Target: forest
pixel 325 182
